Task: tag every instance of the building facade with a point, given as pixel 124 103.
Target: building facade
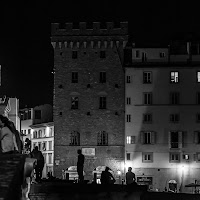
pixel 163 116
pixel 42 135
pixel 89 95
pixel 33 116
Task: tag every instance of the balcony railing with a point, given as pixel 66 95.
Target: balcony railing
pixel 174 145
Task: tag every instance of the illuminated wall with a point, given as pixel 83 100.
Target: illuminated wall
pixel 160 164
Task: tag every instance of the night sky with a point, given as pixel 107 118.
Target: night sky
pixel 26 54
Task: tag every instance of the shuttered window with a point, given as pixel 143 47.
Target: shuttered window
pixel 175 139
pixel 147 137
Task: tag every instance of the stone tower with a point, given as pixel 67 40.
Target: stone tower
pixel 89 95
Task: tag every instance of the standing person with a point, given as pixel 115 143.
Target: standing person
pixel 40 163
pixel 130 176
pixel 80 165
pixel 7 137
pixel 130 181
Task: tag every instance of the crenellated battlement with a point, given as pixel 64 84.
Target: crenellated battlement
pixel 83 29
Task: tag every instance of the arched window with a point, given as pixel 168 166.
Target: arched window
pixel 75 138
pixel 102 138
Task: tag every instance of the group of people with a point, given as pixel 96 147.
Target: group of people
pixel 106 176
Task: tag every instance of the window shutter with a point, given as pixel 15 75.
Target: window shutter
pixel 180 139
pixel 153 137
pixel 195 137
pixel 142 137
pixel 169 139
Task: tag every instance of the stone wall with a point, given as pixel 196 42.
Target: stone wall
pixel 88 65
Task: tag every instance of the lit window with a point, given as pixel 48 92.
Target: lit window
pixel 174 77
pixel 74 77
pixel 128 118
pixel 130 139
pixel 50 158
pixel 102 103
pixel 174 157
pixel 102 138
pixel 128 100
pixel 147 77
pixel 147 157
pixel 50 132
pixel 75 138
pixel 74 102
pixel 40 133
pixel 50 145
pixel 198 77
pixel 34 134
pixel 102 77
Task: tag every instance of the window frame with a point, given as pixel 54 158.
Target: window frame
pixel 128 118
pixel 198 76
pixel 128 100
pixel 102 54
pixel 173 155
pixel 74 102
pixel 128 156
pixel 174 118
pixel 147 118
pixel 130 139
pixel 147 77
pixel 174 98
pixel 102 102
pixel 173 78
pixel 74 77
pixel 74 54
pixel 147 98
pixel 128 79
pixel 148 154
pixel 74 138
pixel 102 77
pixel 102 138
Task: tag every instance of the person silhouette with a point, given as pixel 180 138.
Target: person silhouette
pixel 80 165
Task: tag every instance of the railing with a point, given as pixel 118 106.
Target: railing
pixel 174 145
